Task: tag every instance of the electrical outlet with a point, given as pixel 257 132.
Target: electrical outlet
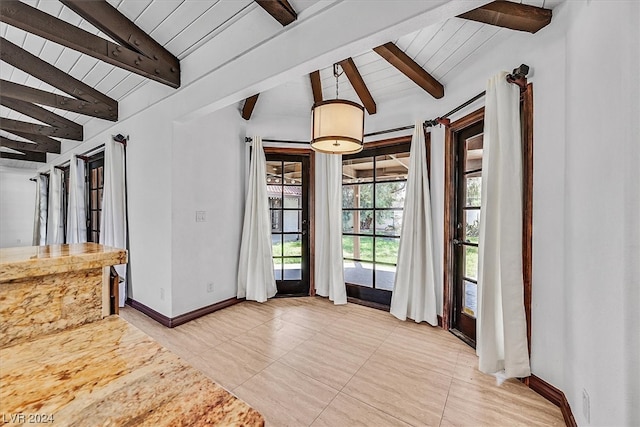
pixel 586 406
pixel 162 294
pixel 210 287
pixel 201 216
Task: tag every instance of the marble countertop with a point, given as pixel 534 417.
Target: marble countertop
pixel 109 373
pixel 33 261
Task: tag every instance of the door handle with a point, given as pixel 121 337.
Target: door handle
pixel 456 242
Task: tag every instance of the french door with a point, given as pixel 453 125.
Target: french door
pixel 468 184
pixel 287 179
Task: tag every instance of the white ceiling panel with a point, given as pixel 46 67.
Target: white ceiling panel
pixel 206 25
pixel 131 8
pixel 413 43
pixel 186 13
pixel 155 14
pixel 125 85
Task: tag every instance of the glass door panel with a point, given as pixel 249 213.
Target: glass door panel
pixel 468 172
pixel 287 183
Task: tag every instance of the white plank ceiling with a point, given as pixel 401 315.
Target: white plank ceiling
pixel 184 25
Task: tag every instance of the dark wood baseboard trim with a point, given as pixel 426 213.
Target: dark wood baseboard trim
pixel 439 320
pixel 158 317
pixel 172 322
pixel 555 396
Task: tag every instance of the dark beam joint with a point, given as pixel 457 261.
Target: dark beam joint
pixel 350 69
pixel 515 16
pixel 316 86
pixel 407 66
pixel 141 51
pixel 27 156
pixel 52 145
pixel 249 104
pixel 68 128
pixel 14 126
pixel 20 146
pixel 280 10
pixel 37 96
pixel 42 70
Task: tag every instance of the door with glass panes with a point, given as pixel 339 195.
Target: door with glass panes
pixel 287 179
pixel 468 184
pixel 373 191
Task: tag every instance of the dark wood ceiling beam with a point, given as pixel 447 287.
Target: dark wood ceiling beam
pixel 165 66
pixel 32 20
pixel 37 96
pixel 407 66
pixel 69 129
pixel 28 156
pixel 358 84
pixel 14 126
pixel 316 86
pixel 52 145
pixel 281 10
pixel 21 145
pixel 42 70
pixel 515 16
pixel 249 104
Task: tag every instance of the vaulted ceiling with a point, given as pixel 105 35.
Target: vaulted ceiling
pixel 181 27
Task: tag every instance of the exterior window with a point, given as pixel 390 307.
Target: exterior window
pixel 95 183
pixel 373 192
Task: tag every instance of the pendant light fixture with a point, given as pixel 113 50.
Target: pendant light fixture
pixel 337 125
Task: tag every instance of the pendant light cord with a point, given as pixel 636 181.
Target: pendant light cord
pixel 336 75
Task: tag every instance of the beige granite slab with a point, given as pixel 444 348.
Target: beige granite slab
pixel 36 306
pixel 109 373
pixel 34 261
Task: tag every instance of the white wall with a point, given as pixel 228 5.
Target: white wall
pixel 208 175
pixel 601 210
pixel 17 207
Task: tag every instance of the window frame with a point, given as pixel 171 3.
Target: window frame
pixel 94 162
pixel 373 296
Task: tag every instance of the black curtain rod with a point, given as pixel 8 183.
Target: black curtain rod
pixel 283 141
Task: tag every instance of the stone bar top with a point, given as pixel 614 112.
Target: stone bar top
pixel 109 373
pixel 34 261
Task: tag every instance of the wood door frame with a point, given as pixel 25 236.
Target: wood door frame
pixel 526 108
pixel 305 152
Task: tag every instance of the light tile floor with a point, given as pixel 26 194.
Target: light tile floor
pixel 307 362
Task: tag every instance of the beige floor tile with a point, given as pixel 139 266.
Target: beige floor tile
pixel 311 317
pixel 364 334
pixel 230 364
pixel 345 411
pixel 275 338
pixel 327 359
pixel 413 394
pixel 420 349
pixel 508 405
pixel 285 397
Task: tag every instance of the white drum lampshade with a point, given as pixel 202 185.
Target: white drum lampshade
pixel 338 127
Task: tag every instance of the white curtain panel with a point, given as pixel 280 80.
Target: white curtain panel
pixel 501 325
pixel 40 214
pixel 76 206
pixel 113 222
pixel 329 270
pixel 414 290
pixel 55 225
pixel 256 281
